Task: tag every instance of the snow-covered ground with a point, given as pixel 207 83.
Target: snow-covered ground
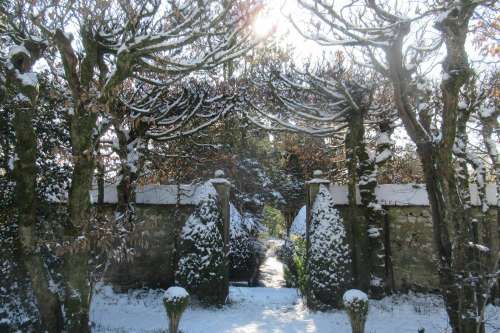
pixel 271 272
pixel 268 310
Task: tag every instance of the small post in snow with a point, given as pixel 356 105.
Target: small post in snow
pixel 223 188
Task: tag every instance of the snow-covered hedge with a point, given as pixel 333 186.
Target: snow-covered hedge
pixel 201 263
pixel 329 256
pixel 244 248
pixel 241 249
pixel 298 227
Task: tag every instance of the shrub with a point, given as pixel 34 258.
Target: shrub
pixel 241 247
pixel 329 255
pixel 201 265
pixel 293 255
pixel 356 305
pixel 175 300
pixel 299 263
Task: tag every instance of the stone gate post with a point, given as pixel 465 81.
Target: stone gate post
pixel 312 189
pixel 223 188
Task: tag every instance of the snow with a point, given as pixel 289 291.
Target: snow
pixel 487 111
pixel 318 181
pixel 353 296
pixel 383 156
pixel 161 194
pixel 383 139
pixel 271 272
pixel 220 181
pixel 175 293
pixel 406 194
pixel 267 310
pixel 462 105
pixel 298 227
pixel 18 49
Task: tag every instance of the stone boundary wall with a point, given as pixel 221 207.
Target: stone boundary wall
pixel 161 212
pixel 408 228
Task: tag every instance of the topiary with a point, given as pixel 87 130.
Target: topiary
pixel 201 266
pixel 329 255
pixel 356 305
pixel 175 300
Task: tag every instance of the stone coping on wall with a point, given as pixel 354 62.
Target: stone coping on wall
pixel 406 194
pixel 160 194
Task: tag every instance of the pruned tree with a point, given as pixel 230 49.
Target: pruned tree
pixel 338 103
pixel 21 85
pixel 396 41
pixel 114 45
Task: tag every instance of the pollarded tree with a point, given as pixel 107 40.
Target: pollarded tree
pixel 329 257
pixel 338 102
pixel 399 43
pixel 115 44
pixel 201 265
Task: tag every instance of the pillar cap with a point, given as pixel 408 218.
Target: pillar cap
pixel 220 178
pixel 318 178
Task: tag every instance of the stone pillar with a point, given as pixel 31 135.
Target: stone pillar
pixel 312 189
pixel 223 188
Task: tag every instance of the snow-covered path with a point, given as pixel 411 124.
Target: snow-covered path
pixel 271 272
pixel 267 310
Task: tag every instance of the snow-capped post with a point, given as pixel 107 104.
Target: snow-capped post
pixel 175 300
pixel 356 305
pixel 223 188
pixel 312 189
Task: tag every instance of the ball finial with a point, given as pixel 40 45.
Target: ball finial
pixel 219 174
pixel 317 173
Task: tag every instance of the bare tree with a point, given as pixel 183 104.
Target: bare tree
pixel 398 42
pixel 97 48
pixel 336 102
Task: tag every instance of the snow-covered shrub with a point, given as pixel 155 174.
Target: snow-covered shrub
pixel 201 264
pixel 356 305
pixel 175 300
pixel 241 247
pixel 329 256
pixel 298 227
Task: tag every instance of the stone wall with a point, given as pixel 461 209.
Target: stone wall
pixel 155 238
pixel 161 212
pixel 411 246
pixel 408 235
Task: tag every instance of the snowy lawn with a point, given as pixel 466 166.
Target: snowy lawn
pixel 267 310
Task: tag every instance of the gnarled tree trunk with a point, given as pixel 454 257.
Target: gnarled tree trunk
pixel 25 173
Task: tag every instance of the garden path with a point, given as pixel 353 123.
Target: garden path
pixel 271 272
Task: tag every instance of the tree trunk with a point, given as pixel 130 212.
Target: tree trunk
pixel 448 214
pixel 75 267
pixel 25 174
pixel 374 221
pixel 130 149
pixel 359 236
